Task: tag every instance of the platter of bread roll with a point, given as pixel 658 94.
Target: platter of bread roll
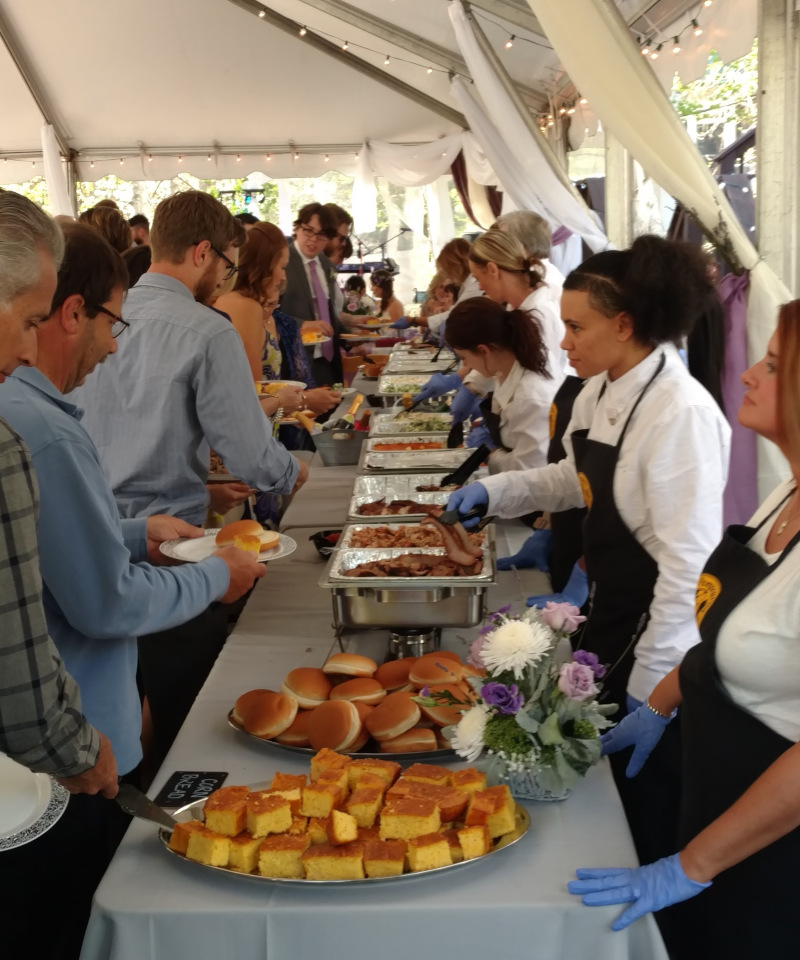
pixel 357 708
pixel 247 535
pixel 349 821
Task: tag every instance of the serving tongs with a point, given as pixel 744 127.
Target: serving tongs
pixel 461 474
pixel 138 804
pixel 451 517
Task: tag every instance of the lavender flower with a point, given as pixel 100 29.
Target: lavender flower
pixel 506 699
pixel 589 659
pixel 475 650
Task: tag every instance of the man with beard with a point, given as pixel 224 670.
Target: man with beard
pixel 180 382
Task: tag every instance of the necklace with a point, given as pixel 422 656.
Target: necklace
pixel 782 526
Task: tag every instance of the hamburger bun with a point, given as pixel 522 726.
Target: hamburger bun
pixel 247 528
pixel 350 664
pixel 443 714
pixel 334 724
pixel 248 544
pixel 443 654
pixel 434 669
pixel 265 713
pixel 296 735
pixel 393 675
pixel 308 685
pixel 364 710
pixel 418 739
pixel 361 741
pixel 393 716
pixel 359 688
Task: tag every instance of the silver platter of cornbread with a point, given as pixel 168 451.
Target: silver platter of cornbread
pixel 194 812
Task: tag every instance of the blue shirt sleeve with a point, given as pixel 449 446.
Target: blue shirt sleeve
pixel 87 566
pixel 134 534
pixel 232 419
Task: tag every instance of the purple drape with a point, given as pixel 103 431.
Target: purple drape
pixel 495 198
pixel 459 170
pixel 741 493
pixel 560 235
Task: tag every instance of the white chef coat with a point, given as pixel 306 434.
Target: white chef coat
pixel 523 401
pixel 758 647
pixel 668 487
pixel 469 288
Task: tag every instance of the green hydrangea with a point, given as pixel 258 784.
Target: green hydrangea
pixel 504 734
pixel 583 730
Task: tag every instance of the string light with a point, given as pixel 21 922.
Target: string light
pixel 269 157
pixel 303 30
pixel 510 42
pixel 697 28
pixel 345 46
pixel 430 70
pixel 646 44
pixel 706 3
pixel 387 61
pixel 149 158
pixel 583 101
pixel 238 158
pixel 208 158
pixel 262 14
pixel 326 158
pixel 92 164
pixel 676 46
pixel 646 48
pixel 570 111
pixel 562 111
pixel 180 159
pixel 121 162
pixel 297 156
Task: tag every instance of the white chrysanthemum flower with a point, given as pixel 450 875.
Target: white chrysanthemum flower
pixel 467 741
pixel 515 645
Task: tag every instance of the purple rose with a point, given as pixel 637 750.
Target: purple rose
pixel 425 692
pixel 506 699
pixel 590 660
pixel 576 681
pixel 561 617
pixel 475 651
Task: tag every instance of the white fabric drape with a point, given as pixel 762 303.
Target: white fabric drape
pixel 602 59
pixel 61 200
pixel 441 227
pixel 514 153
pixel 364 198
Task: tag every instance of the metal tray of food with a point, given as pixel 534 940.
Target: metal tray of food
pixel 404 363
pixel 390 425
pixel 412 461
pixel 422 441
pixel 396 384
pixel 353 514
pixel 412 536
pixel 346 559
pixel 194 811
pixel 389 487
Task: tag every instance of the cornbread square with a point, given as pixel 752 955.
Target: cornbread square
pixel 288 781
pixel 364 804
pixel 281 857
pixel 205 846
pixel 428 773
pixel 428 852
pixel 243 853
pixel 338 777
pixel 366 779
pixel 292 794
pixel 475 841
pixel 180 835
pixel 451 803
pixel 384 858
pixel 402 788
pixel 369 833
pixel 318 829
pixel 299 826
pixel 456 853
pixel 324 760
pixel 480 809
pixel 469 780
pixel 387 770
pixel 502 820
pixel 319 799
pixel 267 813
pixel 328 862
pixel 342 827
pixel 225 810
pixel 409 817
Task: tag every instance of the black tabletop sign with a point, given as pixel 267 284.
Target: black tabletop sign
pixel 186 786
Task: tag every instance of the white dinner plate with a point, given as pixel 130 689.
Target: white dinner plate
pixel 30 803
pixel 283 383
pixel 200 548
pixel 317 343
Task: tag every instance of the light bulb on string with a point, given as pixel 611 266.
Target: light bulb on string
pixel 297 156
pixel 510 42
pixel 583 101
pixel 645 50
pixel 676 46
pixel 571 111
pixel 269 157
pixel 706 3
pixel 121 162
pixel 697 28
pixel 208 158
pixel 303 30
pixel 149 158
pixel 387 61
pixel 430 69
pixel 262 14
pixel 180 159
pixel 327 158
pixel 655 53
pixel 562 111
pixel 91 164
pixel 238 158
pixel 345 45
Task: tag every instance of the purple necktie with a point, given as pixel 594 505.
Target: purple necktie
pixel 323 313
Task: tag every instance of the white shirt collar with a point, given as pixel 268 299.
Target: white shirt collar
pixel 619 394
pixel 504 393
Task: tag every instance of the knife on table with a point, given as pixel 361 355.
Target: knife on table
pixel 138 804
pixel 461 474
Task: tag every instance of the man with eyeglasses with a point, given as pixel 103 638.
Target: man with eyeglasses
pixel 310 295
pixel 180 384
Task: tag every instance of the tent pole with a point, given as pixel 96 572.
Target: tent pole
pixel 619 193
pixel 292 27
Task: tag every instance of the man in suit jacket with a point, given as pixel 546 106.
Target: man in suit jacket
pixel 309 296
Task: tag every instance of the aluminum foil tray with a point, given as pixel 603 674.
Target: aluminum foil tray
pixel 396 384
pixel 401 486
pixel 402 364
pixel 385 425
pixel 412 461
pixel 344 560
pixel 409 438
pixel 345 541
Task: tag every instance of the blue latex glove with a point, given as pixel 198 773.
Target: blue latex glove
pixel 632 705
pixel 643 729
pixel 467 498
pixel 439 383
pixel 648 888
pixel 402 323
pixel 575 592
pixel 464 405
pixel 535 552
pixel 479 435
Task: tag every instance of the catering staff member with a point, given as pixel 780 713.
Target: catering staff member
pixel 647 454
pixel 739 697
pixel 507 346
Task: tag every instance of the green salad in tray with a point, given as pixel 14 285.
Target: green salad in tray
pixel 425 422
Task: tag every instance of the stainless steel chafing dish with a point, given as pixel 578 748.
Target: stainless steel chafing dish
pixel 388 487
pixel 413 363
pixel 396 384
pixel 397 523
pixel 385 424
pixel 375 442
pixel 403 603
pixel 412 461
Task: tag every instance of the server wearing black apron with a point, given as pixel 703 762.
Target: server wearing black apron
pixel 737 692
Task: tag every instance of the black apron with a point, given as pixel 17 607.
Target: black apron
pixel 492 422
pixel 751 909
pixel 566 525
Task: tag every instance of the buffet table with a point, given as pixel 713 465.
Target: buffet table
pixel 152 905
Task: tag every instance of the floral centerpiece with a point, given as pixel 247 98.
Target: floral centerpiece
pixel 358 306
pixel 534 719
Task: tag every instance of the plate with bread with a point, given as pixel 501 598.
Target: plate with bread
pixel 349 821
pixel 248 535
pixel 357 708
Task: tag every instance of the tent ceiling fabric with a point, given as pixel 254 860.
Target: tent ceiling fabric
pixel 178 76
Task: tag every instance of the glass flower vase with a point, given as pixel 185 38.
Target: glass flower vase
pixel 527 785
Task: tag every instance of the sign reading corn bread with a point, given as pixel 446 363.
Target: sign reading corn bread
pixel 350 820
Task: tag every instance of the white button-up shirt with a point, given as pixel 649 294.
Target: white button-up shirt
pixel 668 487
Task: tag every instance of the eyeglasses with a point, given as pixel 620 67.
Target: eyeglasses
pixel 118 324
pixel 232 268
pixel 312 234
